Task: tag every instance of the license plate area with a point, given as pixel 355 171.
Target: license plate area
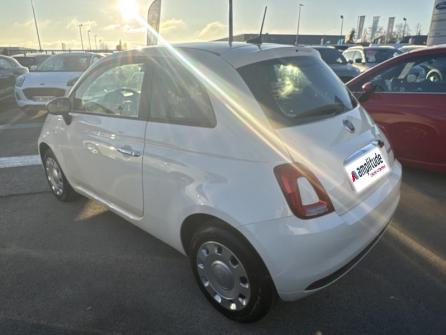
pixel 366 167
pixel 43 98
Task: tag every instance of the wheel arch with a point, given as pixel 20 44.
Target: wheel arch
pixel 199 221
pixel 196 222
pixel 43 147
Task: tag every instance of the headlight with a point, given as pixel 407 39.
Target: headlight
pixel 20 81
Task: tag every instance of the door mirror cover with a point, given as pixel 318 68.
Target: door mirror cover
pixel 368 89
pixel 59 106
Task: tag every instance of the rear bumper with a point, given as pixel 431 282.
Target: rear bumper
pixel 305 256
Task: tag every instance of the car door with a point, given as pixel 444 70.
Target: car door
pixel 409 105
pixel 179 138
pixel 359 60
pixel 107 132
pixel 7 79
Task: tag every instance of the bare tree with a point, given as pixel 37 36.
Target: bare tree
pixel 418 29
pixel 351 36
pixel 400 32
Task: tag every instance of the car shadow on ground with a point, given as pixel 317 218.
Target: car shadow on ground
pixel 79 268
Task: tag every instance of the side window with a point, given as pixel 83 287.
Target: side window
pixel 357 57
pixel 178 97
pixel 4 64
pixel 114 92
pixel 417 75
pixel 348 55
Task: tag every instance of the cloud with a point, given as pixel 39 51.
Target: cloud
pixel 213 31
pixel 125 28
pixel 30 24
pixel 74 24
pixel 172 25
pixel 112 27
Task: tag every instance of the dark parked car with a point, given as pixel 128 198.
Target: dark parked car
pixel 337 62
pixel 31 61
pixel 10 69
pixel 406 96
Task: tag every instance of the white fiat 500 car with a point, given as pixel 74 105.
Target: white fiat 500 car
pixel 255 161
pixel 52 78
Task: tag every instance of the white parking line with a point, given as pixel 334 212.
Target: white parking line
pixel 21 126
pixel 19 161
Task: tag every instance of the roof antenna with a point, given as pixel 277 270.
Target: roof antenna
pixel 259 39
pixel 231 24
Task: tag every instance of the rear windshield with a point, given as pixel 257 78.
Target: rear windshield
pixel 25 61
pixel 380 55
pixel 332 56
pixel 65 63
pixel 297 90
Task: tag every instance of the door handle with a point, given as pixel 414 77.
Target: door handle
pixel 129 152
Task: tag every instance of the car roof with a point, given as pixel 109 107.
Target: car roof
pixel 31 55
pixel 76 53
pixel 238 54
pixel 323 47
pixel 436 49
pixel 372 47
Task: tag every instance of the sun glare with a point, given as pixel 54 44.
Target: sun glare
pixel 128 8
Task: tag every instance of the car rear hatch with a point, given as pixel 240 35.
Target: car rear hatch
pixel 327 146
pixel 319 122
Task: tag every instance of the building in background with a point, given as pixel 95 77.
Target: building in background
pixel 289 39
pixel 9 51
pixel 437 34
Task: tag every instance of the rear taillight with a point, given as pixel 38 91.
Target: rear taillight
pixel 304 193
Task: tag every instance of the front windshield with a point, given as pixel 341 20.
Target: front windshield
pixel 65 63
pixel 332 56
pixel 376 56
pixel 297 90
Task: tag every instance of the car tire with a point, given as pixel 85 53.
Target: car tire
pixel 58 183
pixel 231 274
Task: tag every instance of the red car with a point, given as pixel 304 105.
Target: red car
pixel 406 96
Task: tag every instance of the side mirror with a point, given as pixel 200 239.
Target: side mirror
pixel 60 106
pixel 350 61
pixel 73 81
pixel 368 89
pixel 358 61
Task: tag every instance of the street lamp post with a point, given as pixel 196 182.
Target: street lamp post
pixel 96 41
pixel 37 26
pixel 342 29
pixel 231 23
pixel 80 32
pixel 89 39
pixel 298 24
pixel 405 27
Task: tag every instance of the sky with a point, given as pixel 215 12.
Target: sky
pixel 191 20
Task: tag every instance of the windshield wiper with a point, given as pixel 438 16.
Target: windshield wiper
pixel 327 110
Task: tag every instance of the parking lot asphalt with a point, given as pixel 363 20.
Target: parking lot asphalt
pixel 76 268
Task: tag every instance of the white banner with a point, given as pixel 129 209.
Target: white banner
pixel 154 20
pixel 390 27
pixel 360 31
pixel 437 34
pixel 374 27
